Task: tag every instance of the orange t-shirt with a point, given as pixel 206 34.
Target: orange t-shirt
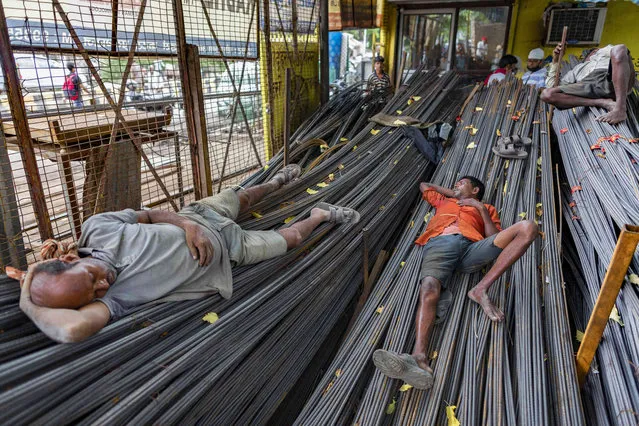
pixel 447 212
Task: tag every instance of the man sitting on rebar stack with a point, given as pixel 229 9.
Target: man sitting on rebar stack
pixel 604 79
pixel 464 235
pixel 129 258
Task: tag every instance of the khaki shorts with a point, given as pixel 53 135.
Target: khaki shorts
pixel 245 247
pixel 596 85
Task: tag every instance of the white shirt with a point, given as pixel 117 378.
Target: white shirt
pixel 537 78
pixel 482 49
pixel 599 60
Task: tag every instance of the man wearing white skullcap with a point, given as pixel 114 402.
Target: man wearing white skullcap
pixel 536 74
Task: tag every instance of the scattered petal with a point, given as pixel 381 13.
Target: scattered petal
pixel 471 145
pixel 575 189
pixel 538 205
pixel 614 315
pixel 391 407
pixel 338 372
pixel 428 215
pixel 331 177
pixel 473 131
pixel 395 162
pixel 399 112
pixel 634 279
pixel 506 164
pixel 211 317
pixel 341 166
pixel 498 132
pixel 266 167
pixel 355 146
pixel 536 122
pixel 288 219
pixel 433 355
pixel 323 148
pixel 412 223
pixel 515 118
pixel 450 413
pixel 311 191
pixel 343 139
pixel 539 161
pixel 505 187
pixel 478 109
pixel 523 215
pixel 405 387
pixel 399 123
pixel 589 131
pixel 379 310
pixel 381 208
pixel 416 98
pixel 322 184
pixel 509 102
pixel 579 335
pixel 374 131
pixel 401 264
pixel 330 385
pixel 564 130
pixel 256 215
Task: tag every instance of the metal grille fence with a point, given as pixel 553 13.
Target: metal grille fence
pixel 113 104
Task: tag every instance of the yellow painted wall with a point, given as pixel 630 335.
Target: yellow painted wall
pixel 527 28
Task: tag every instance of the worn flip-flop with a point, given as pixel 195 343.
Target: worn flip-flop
pixel 404 367
pixel 517 140
pixel 340 214
pixel 288 173
pixel 510 151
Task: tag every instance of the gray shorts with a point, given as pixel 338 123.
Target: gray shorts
pixel 245 247
pixel 446 254
pixel 596 85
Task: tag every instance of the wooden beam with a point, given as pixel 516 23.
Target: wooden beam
pixel 286 112
pixel 199 119
pixel 12 252
pixel 19 116
pixel 114 26
pixel 269 73
pixel 621 258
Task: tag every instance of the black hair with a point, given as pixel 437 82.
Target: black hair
pixel 54 267
pixel 70 66
pixel 379 59
pixel 476 183
pixel 507 60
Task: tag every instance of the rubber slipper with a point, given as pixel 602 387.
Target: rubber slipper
pixel 510 151
pixel 288 173
pixel 523 141
pixel 443 306
pixel 504 140
pixel 340 214
pixel 403 367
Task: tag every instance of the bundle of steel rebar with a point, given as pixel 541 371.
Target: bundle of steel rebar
pixel 600 195
pixel 520 371
pixel 164 364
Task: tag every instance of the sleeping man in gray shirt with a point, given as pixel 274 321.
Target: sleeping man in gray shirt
pixel 124 259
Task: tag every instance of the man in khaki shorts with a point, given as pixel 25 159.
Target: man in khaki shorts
pixel 127 258
pixel 604 79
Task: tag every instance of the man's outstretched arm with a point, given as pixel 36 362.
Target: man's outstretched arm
pixel 65 325
pixel 199 244
pixel 446 192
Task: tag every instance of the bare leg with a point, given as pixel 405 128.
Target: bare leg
pixel 298 232
pixel 556 97
pixel 514 241
pixel 622 69
pixel 254 194
pixel 424 320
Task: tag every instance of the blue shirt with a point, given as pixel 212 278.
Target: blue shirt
pixel 537 78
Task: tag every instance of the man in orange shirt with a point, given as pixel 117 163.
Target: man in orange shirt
pixel 464 235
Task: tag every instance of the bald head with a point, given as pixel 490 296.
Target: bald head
pixel 68 282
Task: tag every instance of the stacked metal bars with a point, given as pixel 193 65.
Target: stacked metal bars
pixel 600 196
pixel 111 377
pixel 465 332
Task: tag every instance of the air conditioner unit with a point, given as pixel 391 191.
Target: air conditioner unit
pixel 585 25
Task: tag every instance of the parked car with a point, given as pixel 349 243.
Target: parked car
pixel 38 73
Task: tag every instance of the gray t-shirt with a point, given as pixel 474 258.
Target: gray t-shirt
pixel 152 261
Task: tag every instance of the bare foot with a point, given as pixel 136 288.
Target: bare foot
pixel 422 362
pixel 323 215
pixel 613 117
pixel 608 104
pixel 481 297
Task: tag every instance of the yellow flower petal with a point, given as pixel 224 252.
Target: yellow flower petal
pixel 343 139
pixel 331 176
pixel 399 123
pixel 634 278
pixel 450 413
pixel 498 132
pixel 374 131
pixel 380 309
pixel 416 98
pixel 338 372
pixel 322 184
pixel 211 317
pixel 341 166
pixel 401 264
pixel 478 109
pixel 614 315
pixel 391 407
pixel 539 161
pixel 473 131
pixel 428 215
pixel 399 112
pixel 506 164
pixel 579 335
pixel 523 215
pixel 471 145
pixel 256 215
pixel 505 187
pixel 288 219
pixel 266 167
pixel 354 147
pixel 405 387
pixel 311 191
pixel 433 355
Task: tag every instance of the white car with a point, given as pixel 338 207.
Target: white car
pixel 38 73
